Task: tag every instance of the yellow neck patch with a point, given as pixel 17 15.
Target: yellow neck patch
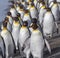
pixel 16 23
pixel 21 9
pixel 48 12
pixel 23 27
pixel 4 28
pixel 32 7
pixel 26 14
pixel 54 5
pixel 35 30
pixel 42 7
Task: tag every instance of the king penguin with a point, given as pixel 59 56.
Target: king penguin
pixel 36 42
pixel 10 18
pixel 13 11
pixel 8 40
pixel 15 31
pixel 28 6
pixel 33 11
pixel 18 6
pixel 33 21
pixel 9 26
pixel 42 13
pixel 48 23
pixel 2 46
pixel 19 17
pixel 55 10
pixel 39 5
pixel 21 11
pixel 24 36
pixel 27 17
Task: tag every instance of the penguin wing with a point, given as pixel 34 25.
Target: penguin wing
pixel 57 27
pixel 48 46
pixel 3 47
pixel 12 41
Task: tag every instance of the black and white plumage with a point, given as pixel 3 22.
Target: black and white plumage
pixel 36 43
pixel 41 14
pixel 27 17
pixel 24 39
pixel 13 12
pixel 48 24
pixel 15 32
pixel 55 11
pixel 2 46
pixel 9 45
pixel 33 12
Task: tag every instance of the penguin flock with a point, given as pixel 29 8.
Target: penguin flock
pixel 27 26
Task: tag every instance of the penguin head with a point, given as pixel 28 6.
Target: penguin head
pixel 21 7
pixel 48 9
pixel 55 1
pixel 18 15
pixel 18 4
pixel 6 19
pixel 12 7
pixel 29 5
pixel 42 4
pixel 25 23
pixel 32 5
pixel 34 20
pixel 34 26
pixel 9 13
pixel 26 11
pixel 5 24
pixel 16 19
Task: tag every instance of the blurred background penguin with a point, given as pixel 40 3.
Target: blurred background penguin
pixel 24 36
pixel 7 37
pixel 15 31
